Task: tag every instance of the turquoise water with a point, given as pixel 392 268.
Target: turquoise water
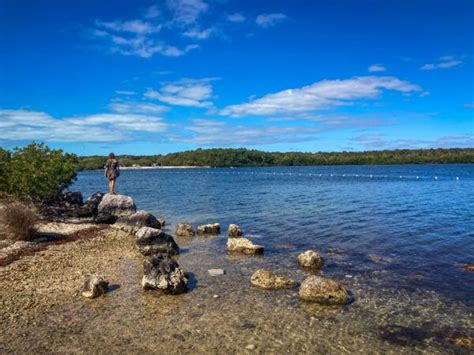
pixel 417 220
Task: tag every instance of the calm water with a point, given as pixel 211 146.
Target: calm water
pixel 418 218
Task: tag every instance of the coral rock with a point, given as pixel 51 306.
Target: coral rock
pixel 310 260
pixel 94 286
pixel 212 229
pixel 270 281
pixel 153 241
pixel 184 230
pixel 234 231
pixel 243 246
pixel 325 291
pixel 162 273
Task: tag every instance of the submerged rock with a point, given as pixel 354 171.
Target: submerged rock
pixel 212 229
pixel 234 231
pixel 117 205
pixel 184 230
pixel 310 259
pixel 322 290
pixel 162 273
pixel 216 272
pixel 153 241
pixel 469 267
pixel 105 218
pixel 243 246
pixel 94 286
pixel 270 281
pixel 132 223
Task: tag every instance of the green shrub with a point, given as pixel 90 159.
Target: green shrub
pixel 37 172
pixel 4 164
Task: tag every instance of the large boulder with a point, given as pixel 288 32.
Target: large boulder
pixel 322 290
pixel 94 286
pixel 310 259
pixel 270 281
pixel 162 273
pixel 234 231
pixel 211 229
pixel 243 246
pixel 153 241
pixel 184 230
pixel 117 205
pixel 105 218
pixel 132 223
pixel 94 200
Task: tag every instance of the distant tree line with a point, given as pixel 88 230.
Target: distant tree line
pixel 251 158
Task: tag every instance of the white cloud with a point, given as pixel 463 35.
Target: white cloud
pixel 375 68
pixel 444 62
pixel 237 18
pixel 381 141
pixel 138 27
pixel 185 92
pixel 199 34
pixel 320 95
pixel 19 125
pixel 125 92
pixel 269 20
pixel 137 107
pixel 214 132
pixel 186 12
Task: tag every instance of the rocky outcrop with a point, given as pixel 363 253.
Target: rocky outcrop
pixel 105 218
pixel 117 205
pixel 184 230
pixel 162 273
pixel 234 231
pixel 132 223
pixel 153 241
pixel 269 280
pixel 93 201
pixel 322 290
pixel 94 286
pixel 210 229
pixel 310 259
pixel 469 267
pixel 243 246
pixel 72 198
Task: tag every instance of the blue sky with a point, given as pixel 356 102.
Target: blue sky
pixel 148 77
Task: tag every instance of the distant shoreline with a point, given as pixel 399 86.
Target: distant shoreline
pixel 164 167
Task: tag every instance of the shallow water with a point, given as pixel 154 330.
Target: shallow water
pixel 396 236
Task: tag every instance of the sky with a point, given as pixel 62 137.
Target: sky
pixel 152 77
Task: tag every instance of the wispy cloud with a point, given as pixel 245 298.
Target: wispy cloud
pixel 185 92
pixel 269 20
pixel 381 141
pixel 199 34
pixel 376 68
pixel 320 95
pixel 152 12
pixel 236 17
pixel 186 12
pixel 442 63
pixel 138 27
pixel 125 92
pixel 19 125
pixel 137 107
pixel 215 132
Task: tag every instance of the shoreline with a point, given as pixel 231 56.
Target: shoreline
pixel 163 167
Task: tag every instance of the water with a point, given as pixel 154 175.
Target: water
pixel 397 236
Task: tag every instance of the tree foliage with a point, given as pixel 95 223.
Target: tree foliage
pixel 244 157
pixel 36 171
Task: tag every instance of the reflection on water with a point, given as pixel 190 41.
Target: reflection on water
pixel 397 241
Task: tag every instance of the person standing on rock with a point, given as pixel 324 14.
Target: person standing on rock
pixel 112 172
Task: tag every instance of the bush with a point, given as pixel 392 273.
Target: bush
pixel 36 172
pixel 18 221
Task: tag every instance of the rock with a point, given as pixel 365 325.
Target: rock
pixel 94 286
pixel 93 201
pixel 132 223
pixel 216 272
pixel 162 222
pixel 469 267
pixel 234 231
pixel 105 218
pixel 243 246
pixel 270 281
pixel 323 290
pixel 83 212
pixel 212 229
pixel 184 230
pixel 310 260
pixel 117 205
pixel 72 198
pixel 153 241
pixel 162 273
pixel 250 347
